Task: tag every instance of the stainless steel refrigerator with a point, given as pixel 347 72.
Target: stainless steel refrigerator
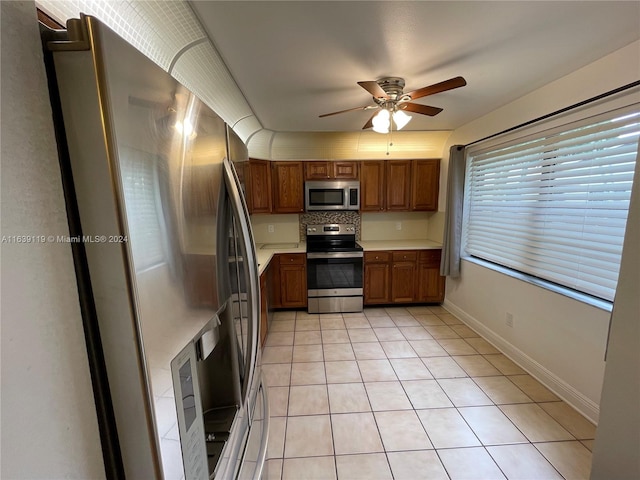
pixel 165 260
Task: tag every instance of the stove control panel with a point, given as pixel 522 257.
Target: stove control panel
pixel 331 229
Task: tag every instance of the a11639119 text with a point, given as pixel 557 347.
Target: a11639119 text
pixel 35 239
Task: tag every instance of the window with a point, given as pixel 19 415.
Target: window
pixel 554 204
pixel 140 190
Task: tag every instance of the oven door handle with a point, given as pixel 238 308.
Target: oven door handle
pixel 335 255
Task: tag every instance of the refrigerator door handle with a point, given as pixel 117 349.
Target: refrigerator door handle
pixel 262 456
pixel 240 210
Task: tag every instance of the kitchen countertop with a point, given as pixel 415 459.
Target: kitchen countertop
pixel 264 254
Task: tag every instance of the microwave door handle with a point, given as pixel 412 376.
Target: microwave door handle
pixel 240 210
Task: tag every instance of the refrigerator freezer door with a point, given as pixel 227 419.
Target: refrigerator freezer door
pixel 146 161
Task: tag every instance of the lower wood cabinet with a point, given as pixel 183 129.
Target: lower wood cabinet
pixel 403 276
pixel 377 277
pixel 431 284
pixel 292 279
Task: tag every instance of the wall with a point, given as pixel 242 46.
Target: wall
pixel 49 426
pixel 560 340
pixel 615 453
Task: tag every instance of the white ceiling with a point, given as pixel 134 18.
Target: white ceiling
pixel 295 60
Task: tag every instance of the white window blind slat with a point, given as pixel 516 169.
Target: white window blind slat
pixel 554 204
pixel 141 200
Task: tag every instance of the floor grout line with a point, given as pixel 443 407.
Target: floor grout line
pixel 356 325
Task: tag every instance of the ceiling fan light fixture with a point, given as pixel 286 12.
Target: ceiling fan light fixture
pixel 381 122
pixel 401 119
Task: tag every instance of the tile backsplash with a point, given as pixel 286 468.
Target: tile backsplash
pixel 278 228
pixel 319 218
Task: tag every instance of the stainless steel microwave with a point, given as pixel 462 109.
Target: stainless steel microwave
pixel 332 195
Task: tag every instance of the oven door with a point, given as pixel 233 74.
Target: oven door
pixel 334 282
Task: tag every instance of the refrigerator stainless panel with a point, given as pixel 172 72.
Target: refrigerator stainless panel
pixel 147 163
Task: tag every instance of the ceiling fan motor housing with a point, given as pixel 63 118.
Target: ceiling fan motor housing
pixel 393 86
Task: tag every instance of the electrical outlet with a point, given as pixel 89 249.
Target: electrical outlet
pixel 509 319
pixel 398 225
pixel 270 228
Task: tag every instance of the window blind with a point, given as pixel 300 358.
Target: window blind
pixel 141 201
pixel 554 204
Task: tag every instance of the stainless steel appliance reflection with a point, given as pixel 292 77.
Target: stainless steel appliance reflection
pixel 172 287
pixel 334 269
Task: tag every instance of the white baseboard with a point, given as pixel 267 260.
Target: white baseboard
pixel 577 400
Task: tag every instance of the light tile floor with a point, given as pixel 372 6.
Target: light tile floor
pixel 408 394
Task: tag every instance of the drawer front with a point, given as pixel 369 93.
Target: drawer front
pixel 293 259
pixel 431 257
pixel 405 256
pixel 377 257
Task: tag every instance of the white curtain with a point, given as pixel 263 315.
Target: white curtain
pixel 450 263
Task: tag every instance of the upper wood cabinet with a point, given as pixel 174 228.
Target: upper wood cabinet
pixel 259 187
pixel 425 187
pixel 325 170
pixel 398 185
pixel 372 186
pixel 288 180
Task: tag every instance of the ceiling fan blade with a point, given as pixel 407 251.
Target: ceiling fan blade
pixel 450 84
pixel 366 107
pixel 422 109
pixel 374 89
pixel 369 123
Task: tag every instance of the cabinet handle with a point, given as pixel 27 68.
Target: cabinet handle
pixel 377 257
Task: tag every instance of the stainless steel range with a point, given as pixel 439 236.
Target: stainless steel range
pixel 334 269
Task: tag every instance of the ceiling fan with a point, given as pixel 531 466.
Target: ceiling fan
pixel 392 102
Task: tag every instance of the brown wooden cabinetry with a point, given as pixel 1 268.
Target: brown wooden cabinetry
pixel 431 285
pixel 403 276
pixel 325 170
pixel 274 282
pixel 377 277
pixel 398 187
pixel 259 187
pixel 372 186
pixel 425 185
pixel 287 180
pixel 293 280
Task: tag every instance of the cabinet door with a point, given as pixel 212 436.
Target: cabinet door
pixel 399 185
pixel 376 283
pixel 287 180
pixel 345 170
pixel 372 186
pixel 260 186
pixel 431 286
pixel 316 170
pixel 274 282
pixel 426 182
pixel 293 285
pixel 403 276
